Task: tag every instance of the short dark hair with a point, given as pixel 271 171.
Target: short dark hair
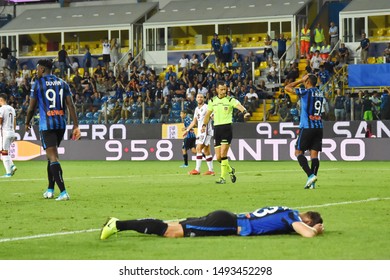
pixel 47 63
pixel 3 96
pixel 313 80
pixel 315 218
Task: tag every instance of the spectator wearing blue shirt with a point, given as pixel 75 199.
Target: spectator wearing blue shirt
pixel 169 74
pixel 364 45
pixel 227 49
pixel 216 48
pixel 282 47
pixel 87 61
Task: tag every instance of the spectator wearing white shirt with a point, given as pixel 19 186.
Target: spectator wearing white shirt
pixel 201 89
pixel 183 62
pixel 316 61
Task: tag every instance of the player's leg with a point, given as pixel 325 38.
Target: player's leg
pixel 145 226
pixel 5 143
pixel 209 160
pixel 184 152
pixel 198 161
pixel 52 140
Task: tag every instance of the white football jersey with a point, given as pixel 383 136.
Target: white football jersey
pixel 7 113
pixel 199 114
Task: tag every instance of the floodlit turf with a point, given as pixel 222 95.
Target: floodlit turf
pixel 353 197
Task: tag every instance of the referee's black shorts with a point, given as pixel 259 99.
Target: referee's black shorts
pixel 223 134
pixel 217 223
pixel 309 139
pixel 51 138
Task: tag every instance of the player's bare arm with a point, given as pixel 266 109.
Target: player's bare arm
pixel 206 120
pixel 191 126
pixel 306 230
pixel 30 113
pixel 72 111
pixel 290 87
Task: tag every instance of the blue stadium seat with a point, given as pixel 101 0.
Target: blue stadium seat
pixel 154 121
pixel 137 121
pixel 128 121
pixel 96 115
pixel 178 120
pixel 89 115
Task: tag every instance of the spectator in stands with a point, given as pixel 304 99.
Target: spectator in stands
pixel 273 111
pixel 319 37
pixel 114 52
pixel 284 97
pixel 253 59
pixel 202 75
pixel 165 110
pixel 292 73
pixel 106 53
pixel 385 104
pixel 343 53
pixel 183 62
pixel 333 34
pixel 272 76
pixel 339 106
pixel 386 53
pixel 364 46
pixel 74 65
pixel 347 106
pixel 367 107
pixel 251 100
pixel 323 78
pixel 194 60
pixel 130 61
pixel 315 62
pixel 5 52
pixel 227 50
pixel 268 51
pixel 305 41
pixel 330 65
pixel 170 74
pixel 236 61
pixel 26 72
pixel 216 47
pixel 284 112
pixel 87 60
pixel 308 68
pixel 358 104
pixel 63 61
pixel 201 89
pixel 282 47
pixel 204 61
pixel 376 104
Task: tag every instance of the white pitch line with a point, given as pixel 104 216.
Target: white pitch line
pixel 10 180
pixel 3 240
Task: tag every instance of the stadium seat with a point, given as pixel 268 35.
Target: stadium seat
pixel 128 121
pixel 154 121
pixel 89 115
pixel 96 115
pixel 137 121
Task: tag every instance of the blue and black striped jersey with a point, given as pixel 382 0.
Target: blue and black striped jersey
pixel 268 220
pixel 187 121
pixel 51 92
pixel 312 100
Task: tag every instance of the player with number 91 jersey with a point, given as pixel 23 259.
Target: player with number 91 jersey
pixel 51 92
pixel 312 100
pixel 267 220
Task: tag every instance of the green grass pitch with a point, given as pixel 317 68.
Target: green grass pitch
pixel 353 198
